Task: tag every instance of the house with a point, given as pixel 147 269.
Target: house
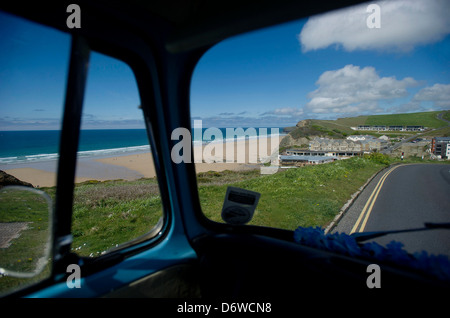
pixel 360 137
pixel 345 145
pixel 375 128
pixel 415 128
pixel 413 149
pixel 302 152
pixel 395 128
pixel 335 153
pixel 439 146
pixel 295 160
pixel 389 128
pixel 379 128
pixel 370 145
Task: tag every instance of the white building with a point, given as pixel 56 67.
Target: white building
pixel 305 160
pixel 359 137
pixel 345 145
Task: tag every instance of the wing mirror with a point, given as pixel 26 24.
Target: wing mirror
pixel 25 232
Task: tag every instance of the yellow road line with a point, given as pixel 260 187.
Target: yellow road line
pixel 364 216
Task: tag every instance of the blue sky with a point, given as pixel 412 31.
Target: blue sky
pixel 327 66
pixel 33 74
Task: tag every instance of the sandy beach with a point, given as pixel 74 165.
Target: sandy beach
pixel 38 178
pixel 212 157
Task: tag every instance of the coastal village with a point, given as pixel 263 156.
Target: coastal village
pixel 320 150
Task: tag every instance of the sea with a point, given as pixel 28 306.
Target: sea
pixel 17 147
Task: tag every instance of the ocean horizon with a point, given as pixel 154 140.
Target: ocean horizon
pixel 30 146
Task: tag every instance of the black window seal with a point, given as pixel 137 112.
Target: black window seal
pixel 63 239
pixel 70 132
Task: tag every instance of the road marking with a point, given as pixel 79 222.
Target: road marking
pixel 365 213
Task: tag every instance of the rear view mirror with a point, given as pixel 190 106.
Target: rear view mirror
pixel 25 232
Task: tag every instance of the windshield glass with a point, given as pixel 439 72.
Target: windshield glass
pixel 339 121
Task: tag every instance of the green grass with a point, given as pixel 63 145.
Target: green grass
pixel 441 132
pixel 446 115
pixel 307 196
pixel 24 251
pixel 426 119
pixel 352 121
pixel 340 128
pixel 108 214
pixel 24 206
pixel 333 128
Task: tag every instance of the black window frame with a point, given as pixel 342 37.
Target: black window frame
pixel 140 58
pixel 62 256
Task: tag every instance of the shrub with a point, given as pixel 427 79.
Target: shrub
pixel 378 158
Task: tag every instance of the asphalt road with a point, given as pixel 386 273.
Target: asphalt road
pixel 404 197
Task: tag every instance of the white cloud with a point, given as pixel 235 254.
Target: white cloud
pixel 286 112
pixel 8 123
pixel 286 116
pixel 355 90
pixel 279 117
pixel 248 121
pixel 404 24
pixel 438 94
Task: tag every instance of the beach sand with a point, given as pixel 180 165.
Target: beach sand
pixel 38 177
pixel 143 163
pixel 136 166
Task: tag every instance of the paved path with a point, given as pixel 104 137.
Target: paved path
pixel 10 231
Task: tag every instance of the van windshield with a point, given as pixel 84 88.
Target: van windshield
pixel 339 121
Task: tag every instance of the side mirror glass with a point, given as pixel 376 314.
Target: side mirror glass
pixel 25 233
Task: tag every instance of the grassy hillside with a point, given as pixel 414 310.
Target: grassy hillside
pixel 307 196
pixel 442 132
pixel 351 121
pixel 427 119
pixel 340 128
pixel 335 128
